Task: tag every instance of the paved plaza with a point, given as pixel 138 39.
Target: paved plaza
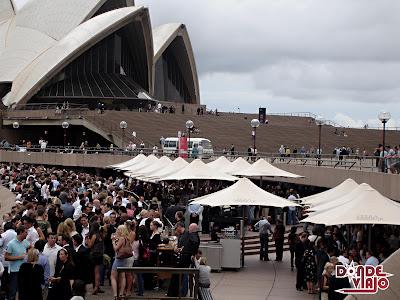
pixel 257 281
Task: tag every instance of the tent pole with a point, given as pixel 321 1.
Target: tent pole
pixel 242 232
pixel 369 236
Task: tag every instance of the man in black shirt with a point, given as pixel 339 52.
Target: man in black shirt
pixel 279 237
pixel 171 211
pixel 188 244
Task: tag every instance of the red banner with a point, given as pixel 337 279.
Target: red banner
pixel 183 147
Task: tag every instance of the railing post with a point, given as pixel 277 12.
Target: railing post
pixel 179 285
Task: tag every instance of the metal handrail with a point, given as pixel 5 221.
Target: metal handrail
pixel 193 290
pixel 367 163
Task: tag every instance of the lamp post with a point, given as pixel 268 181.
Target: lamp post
pixel 254 124
pixel 319 121
pixel 189 126
pixel 65 126
pixel 384 117
pixel 123 126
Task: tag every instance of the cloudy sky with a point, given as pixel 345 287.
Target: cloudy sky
pixel 339 58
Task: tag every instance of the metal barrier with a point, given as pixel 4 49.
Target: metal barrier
pixel 193 278
pixel 350 162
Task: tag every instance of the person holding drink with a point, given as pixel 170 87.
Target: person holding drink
pixel 60 287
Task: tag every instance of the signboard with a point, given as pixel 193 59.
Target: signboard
pixel 183 147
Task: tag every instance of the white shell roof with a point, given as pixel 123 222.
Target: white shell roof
pixel 44 67
pixel 35 28
pixel 56 18
pixel 164 35
pixel 6 10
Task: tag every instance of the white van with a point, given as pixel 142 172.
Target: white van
pixel 171 146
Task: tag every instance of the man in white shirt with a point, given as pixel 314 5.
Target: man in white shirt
pixel 50 251
pixel 264 228
pixel 343 258
pixel 32 236
pixel 85 228
pixel 43 145
pixel 44 190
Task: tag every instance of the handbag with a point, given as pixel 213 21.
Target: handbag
pixel 144 252
pixel 125 251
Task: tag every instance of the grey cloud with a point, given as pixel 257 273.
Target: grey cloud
pixel 253 33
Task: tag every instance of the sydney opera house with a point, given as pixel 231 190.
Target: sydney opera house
pixel 89 51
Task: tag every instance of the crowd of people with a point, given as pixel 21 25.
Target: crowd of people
pixel 315 255
pixel 77 229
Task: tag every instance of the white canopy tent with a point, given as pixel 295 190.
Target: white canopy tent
pixel 163 162
pixel 335 201
pixel 219 163
pixel 262 168
pixel 175 166
pixel 365 206
pixel 129 162
pixel 238 164
pixel 330 195
pixel 198 170
pixel 243 192
pixel 151 159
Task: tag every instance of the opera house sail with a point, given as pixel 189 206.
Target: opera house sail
pixel 90 51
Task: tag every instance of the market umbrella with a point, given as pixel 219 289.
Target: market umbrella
pixel 243 192
pixel 163 162
pixel 238 164
pixel 365 206
pixel 338 191
pixel 220 163
pixel 198 170
pixel 129 162
pixel 149 160
pixel 262 168
pixel 178 164
pixel 334 201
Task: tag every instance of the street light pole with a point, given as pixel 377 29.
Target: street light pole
pixel 254 124
pixel 189 126
pixel 384 117
pixel 319 121
pixel 65 126
pixel 123 125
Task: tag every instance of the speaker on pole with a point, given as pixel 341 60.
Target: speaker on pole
pixel 262 112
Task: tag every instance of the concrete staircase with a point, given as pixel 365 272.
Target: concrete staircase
pixel 229 128
pixel 252 245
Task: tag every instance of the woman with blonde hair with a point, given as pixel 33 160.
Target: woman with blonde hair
pixel 31 277
pixel 71 227
pixel 123 251
pixel 63 229
pixel 131 226
pixel 326 275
